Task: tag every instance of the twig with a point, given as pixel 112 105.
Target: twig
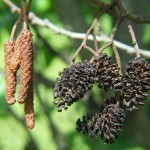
pixel 138 19
pixel 117 58
pixel 114 30
pixel 89 31
pixel 90 49
pixel 109 43
pixel 13 31
pixel 135 18
pixel 101 49
pixel 95 40
pixel 47 24
pixel 24 11
pixel 86 37
pixel 113 33
pixel 134 42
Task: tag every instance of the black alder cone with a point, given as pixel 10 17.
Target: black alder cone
pixel 73 83
pixel 136 83
pixel 107 123
pixel 107 74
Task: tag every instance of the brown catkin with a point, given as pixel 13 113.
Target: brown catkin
pixel 26 76
pixel 29 109
pixel 26 64
pixel 10 75
pixel 15 59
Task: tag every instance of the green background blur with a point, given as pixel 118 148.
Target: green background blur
pixel 53 52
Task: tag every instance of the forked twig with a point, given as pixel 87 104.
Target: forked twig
pixel 13 31
pixel 95 40
pixel 134 42
pixel 113 33
pixel 90 49
pixel 110 42
pixel 117 58
pixel 89 31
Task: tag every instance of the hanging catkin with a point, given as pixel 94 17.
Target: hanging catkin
pixel 15 59
pixel 28 108
pixel 10 75
pixel 26 76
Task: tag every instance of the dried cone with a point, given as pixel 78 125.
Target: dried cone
pixel 107 123
pixel 10 75
pixel 26 76
pixel 107 74
pixel 73 83
pixel 136 83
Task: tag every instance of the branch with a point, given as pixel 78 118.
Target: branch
pixel 83 44
pixel 46 23
pixel 129 15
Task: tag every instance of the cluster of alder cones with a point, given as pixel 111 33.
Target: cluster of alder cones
pixel 19 54
pixel 131 90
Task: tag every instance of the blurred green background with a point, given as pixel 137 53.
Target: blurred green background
pixel 53 52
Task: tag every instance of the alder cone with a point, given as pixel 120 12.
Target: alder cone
pixel 107 123
pixel 136 83
pixel 73 83
pixel 10 75
pixel 107 74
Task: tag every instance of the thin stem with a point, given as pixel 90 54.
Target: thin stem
pixel 24 14
pixel 89 31
pixel 105 46
pixel 134 42
pixel 117 57
pixel 95 40
pixel 86 37
pixel 109 43
pixel 90 49
pixel 114 30
pixel 13 31
pixel 113 33
pixel 101 49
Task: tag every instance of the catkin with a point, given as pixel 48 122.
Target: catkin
pixel 15 59
pixel 10 75
pixel 28 108
pixel 26 76
pixel 26 64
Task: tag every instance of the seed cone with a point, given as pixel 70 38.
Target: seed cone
pixel 136 83
pixel 10 75
pixel 107 123
pixel 73 83
pixel 107 74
